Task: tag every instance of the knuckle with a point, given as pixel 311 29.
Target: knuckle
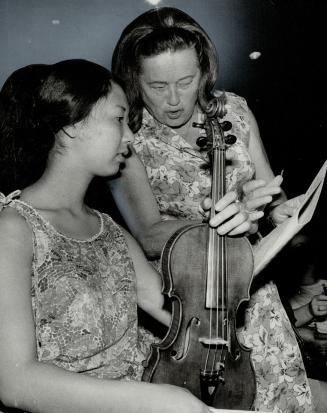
pixel 245 215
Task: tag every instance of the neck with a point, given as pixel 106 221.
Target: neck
pixel 59 188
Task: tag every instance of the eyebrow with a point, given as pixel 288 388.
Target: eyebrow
pixel 179 80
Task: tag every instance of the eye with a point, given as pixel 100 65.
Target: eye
pixel 120 119
pixel 158 86
pixel 185 83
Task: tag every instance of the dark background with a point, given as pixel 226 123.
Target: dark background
pixel 285 87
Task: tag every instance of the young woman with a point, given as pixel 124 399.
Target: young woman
pixel 70 277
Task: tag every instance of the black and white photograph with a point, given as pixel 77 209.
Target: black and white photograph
pixel 163 206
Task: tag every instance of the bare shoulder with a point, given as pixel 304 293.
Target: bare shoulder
pixel 14 230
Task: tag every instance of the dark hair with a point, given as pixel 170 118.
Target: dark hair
pixel 154 32
pixel 36 102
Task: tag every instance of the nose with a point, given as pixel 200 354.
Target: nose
pixel 128 136
pixel 173 97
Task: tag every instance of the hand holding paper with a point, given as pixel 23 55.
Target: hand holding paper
pixel 300 211
pixel 286 209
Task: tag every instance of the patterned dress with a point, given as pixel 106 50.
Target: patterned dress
pixel 84 299
pixel 180 179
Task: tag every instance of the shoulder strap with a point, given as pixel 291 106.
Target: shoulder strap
pixel 6 200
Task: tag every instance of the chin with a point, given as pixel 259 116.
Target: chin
pixel 113 171
pixel 176 123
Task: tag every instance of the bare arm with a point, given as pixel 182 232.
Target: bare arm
pixel 149 296
pixel 262 165
pixel 37 387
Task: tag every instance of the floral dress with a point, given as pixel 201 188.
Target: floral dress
pixel 84 299
pixel 180 179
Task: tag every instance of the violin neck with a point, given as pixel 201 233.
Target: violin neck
pixel 216 293
pixel 218 188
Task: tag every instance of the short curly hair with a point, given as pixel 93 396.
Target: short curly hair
pixel 36 102
pixel 153 32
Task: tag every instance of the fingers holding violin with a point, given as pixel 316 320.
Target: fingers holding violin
pixel 255 215
pixel 235 226
pixel 228 199
pixel 257 194
pixel 234 218
pixel 258 202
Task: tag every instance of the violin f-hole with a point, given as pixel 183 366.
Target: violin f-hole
pixel 182 352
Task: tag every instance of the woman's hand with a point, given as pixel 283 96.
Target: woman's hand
pixel 285 210
pixel 257 194
pixel 236 217
pixel 231 218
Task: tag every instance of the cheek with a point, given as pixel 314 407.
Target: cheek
pixel 189 99
pixel 153 101
pixel 192 92
pixel 107 141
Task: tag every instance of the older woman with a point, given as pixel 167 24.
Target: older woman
pixel 168 64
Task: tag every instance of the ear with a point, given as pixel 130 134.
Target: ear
pixel 70 131
pixel 65 136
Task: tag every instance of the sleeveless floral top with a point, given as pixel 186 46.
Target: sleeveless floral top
pixel 178 174
pixel 84 299
pixel 180 179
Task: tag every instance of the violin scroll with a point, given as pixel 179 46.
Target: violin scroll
pixel 214 128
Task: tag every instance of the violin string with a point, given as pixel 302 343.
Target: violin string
pixel 218 272
pixel 222 257
pixel 210 267
pixel 217 269
pixel 212 271
pixel 221 271
pixel 217 303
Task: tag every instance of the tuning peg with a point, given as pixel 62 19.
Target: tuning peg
pixel 198 125
pixel 226 125
pixel 201 141
pixel 230 139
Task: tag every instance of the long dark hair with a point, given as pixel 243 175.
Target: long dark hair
pixel 155 32
pixel 36 102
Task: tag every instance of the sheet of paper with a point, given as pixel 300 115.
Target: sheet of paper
pixel 271 244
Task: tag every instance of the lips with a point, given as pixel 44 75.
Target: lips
pixel 174 114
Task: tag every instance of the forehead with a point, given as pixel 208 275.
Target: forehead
pixel 115 99
pixel 170 65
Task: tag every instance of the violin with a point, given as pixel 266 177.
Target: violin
pixel 206 277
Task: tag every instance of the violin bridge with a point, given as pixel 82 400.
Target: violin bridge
pixel 216 341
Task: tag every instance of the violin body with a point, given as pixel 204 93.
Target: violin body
pixel 219 372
